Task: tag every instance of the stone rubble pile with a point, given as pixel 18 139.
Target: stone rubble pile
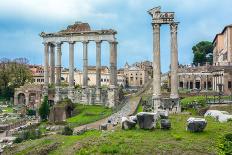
pixel 146 120
pixel 196 124
pixel 221 116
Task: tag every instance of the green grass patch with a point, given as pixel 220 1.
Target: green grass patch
pixel 88 113
pixel 7 110
pixel 174 141
pixel 138 141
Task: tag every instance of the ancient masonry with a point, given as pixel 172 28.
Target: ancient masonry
pixel 159 18
pixel 79 32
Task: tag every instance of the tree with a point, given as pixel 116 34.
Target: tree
pixel 44 109
pixel 13 74
pixel 203 52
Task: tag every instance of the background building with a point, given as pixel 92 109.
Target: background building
pixel 137 74
pixel 209 77
pixel 38 76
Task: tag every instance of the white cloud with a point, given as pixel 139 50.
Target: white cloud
pixel 52 9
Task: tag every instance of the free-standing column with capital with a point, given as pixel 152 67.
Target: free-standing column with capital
pixel 46 63
pixel 174 61
pixel 58 72
pixel 52 63
pixel 85 64
pixel 156 67
pixel 98 70
pixel 113 64
pixel 71 70
pixel 112 92
pixel 58 65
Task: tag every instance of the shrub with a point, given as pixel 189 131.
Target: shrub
pixel 31 112
pixel 18 140
pixel 28 134
pixel 225 147
pixel 67 131
pixel 191 102
pixel 44 109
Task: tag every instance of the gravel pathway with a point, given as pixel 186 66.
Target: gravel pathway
pixel 128 109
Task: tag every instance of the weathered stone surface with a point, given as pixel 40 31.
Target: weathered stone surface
pixel 163 114
pixel 133 118
pixel 61 111
pixel 103 127
pixel 196 124
pixel 127 124
pixel 147 120
pixel 221 116
pixel 80 131
pixel 165 124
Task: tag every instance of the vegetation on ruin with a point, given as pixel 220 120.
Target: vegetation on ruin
pixel 84 114
pixel 136 141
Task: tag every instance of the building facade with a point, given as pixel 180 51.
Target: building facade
pixel 210 77
pixel 38 76
pixel 136 74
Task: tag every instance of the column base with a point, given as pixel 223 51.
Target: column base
pixel 85 95
pixel 71 94
pixel 112 97
pixel 98 95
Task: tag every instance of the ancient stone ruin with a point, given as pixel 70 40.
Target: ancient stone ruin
pixel 160 18
pixel 79 33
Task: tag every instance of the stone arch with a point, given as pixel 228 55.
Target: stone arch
pixel 21 97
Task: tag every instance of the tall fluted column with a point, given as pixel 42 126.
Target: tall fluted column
pixel 98 64
pixel 71 71
pixel 85 64
pixel 58 72
pixel 174 61
pixel 98 71
pixel 58 65
pixel 113 64
pixel 156 67
pixel 71 64
pixel 46 63
pixel 52 64
pixel 112 92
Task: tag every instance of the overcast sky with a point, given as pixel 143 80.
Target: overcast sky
pixel 21 21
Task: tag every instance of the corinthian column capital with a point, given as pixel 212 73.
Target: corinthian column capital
pixel 173 27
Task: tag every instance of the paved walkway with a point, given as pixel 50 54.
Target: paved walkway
pixel 128 109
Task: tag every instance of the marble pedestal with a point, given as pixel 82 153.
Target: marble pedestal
pixel 112 97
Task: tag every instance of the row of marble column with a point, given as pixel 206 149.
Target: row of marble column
pixel 156 63
pixel 49 48
pixel 186 83
pixel 217 79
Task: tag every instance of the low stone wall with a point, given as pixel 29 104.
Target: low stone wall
pixel 10 126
